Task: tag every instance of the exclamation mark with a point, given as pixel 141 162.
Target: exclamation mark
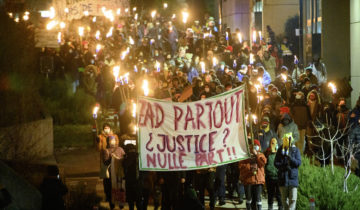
pixel 229 152
pixel 233 149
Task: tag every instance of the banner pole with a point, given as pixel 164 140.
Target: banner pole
pixel 249 112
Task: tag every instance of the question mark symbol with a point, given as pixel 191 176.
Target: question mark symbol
pixel 227 131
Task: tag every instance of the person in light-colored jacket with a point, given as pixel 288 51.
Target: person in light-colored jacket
pixel 287 126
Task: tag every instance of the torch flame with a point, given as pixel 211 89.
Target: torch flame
pixel 214 61
pixel 239 37
pixel 116 71
pixel 333 87
pixel 153 13
pixel 98 48
pixel 185 16
pixel 96 109
pixel 62 25
pixel 59 37
pixel 251 61
pixel 131 41
pixel 97 35
pixel 109 34
pixel 260 36
pixel 157 66
pixel 134 110
pixel 51 25
pixel 254 117
pixel 81 31
pixel 202 64
pixel 145 87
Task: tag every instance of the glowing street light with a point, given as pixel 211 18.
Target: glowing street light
pixel 66 10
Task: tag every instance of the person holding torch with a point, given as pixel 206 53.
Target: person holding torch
pixel 110 162
pixel 252 175
pixel 287 161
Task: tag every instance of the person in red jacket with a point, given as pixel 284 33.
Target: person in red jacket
pixel 252 175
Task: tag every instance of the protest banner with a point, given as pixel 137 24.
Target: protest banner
pixel 94 7
pixel 188 136
pixel 45 38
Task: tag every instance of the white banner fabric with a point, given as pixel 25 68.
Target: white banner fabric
pixel 187 136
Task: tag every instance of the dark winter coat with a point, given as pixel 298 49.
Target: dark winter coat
pixel 265 138
pixel 301 114
pixel 354 135
pixel 356 112
pixel 53 190
pixel 287 165
pixel 271 172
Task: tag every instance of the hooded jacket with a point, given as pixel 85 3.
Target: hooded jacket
pixel 247 176
pixel 287 165
pixel 315 113
pixel 290 128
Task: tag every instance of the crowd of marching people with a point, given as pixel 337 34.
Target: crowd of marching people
pixel 183 61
